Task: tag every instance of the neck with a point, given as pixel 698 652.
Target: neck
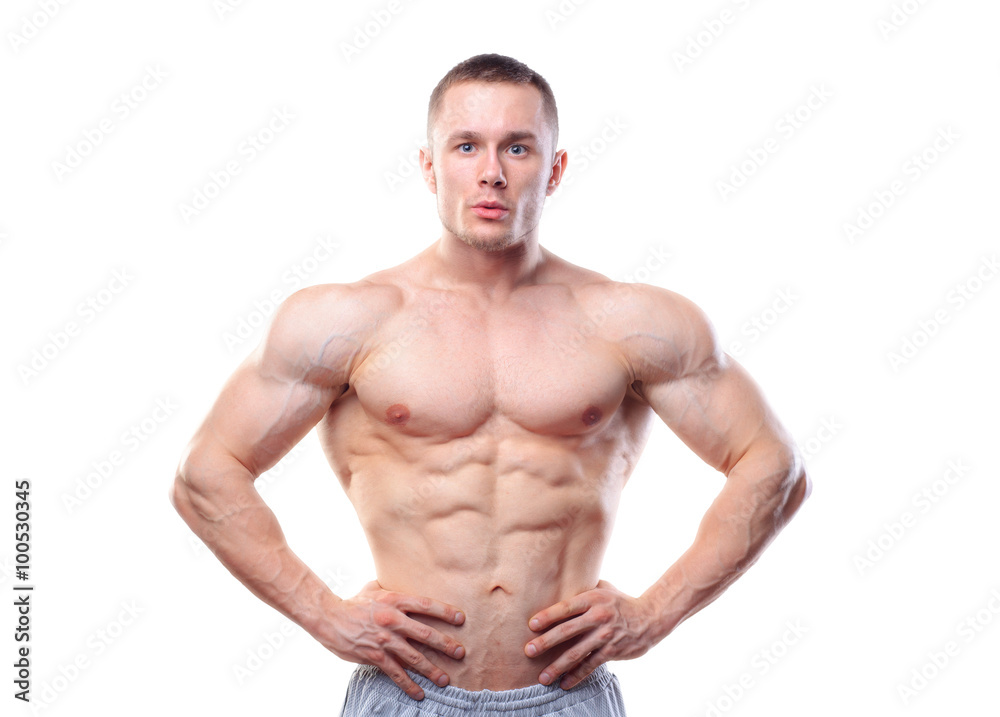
pixel 494 273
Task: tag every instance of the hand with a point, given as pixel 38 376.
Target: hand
pixel 611 626
pixel 373 627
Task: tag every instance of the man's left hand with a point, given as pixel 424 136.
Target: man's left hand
pixel 611 626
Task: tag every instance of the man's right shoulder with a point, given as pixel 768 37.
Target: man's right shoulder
pixel 330 325
pixel 364 300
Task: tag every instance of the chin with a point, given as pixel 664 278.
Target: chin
pixel 489 243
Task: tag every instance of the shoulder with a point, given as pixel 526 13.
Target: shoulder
pixel 662 335
pixel 321 332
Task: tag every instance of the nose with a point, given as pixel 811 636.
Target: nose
pixel 491 172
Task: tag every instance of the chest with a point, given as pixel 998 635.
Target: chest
pixel 540 365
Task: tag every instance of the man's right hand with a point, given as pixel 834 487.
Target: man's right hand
pixel 373 627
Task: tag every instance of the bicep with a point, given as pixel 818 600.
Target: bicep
pixel 261 414
pixel 278 393
pixel 701 393
pixel 717 410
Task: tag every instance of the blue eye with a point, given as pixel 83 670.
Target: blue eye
pixel 462 147
pixel 520 147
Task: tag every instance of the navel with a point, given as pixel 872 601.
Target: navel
pixel 397 414
pixel 592 415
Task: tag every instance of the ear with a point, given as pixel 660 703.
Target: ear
pixel 558 170
pixel 427 169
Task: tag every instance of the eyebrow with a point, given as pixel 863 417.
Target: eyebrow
pixel 516 136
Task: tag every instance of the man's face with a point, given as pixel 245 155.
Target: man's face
pixel 492 162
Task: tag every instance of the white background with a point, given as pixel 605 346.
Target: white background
pixel 876 431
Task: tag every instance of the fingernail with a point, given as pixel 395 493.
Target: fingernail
pixel 458 652
pixel 442 680
pixel 544 678
pixel 459 618
pixel 532 650
pixel 533 624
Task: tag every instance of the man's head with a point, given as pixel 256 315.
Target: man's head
pixel 492 128
pixel 493 68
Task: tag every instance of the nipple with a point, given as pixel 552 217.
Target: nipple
pixel 397 414
pixel 592 415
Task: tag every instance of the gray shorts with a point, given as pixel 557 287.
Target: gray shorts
pixel 371 693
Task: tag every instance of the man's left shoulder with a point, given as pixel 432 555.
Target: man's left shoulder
pixel 660 332
pixel 635 307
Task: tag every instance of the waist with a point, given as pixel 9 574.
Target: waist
pixel 520 701
pixel 495 630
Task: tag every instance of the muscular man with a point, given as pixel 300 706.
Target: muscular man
pixel 483 405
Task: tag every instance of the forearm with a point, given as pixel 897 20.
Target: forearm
pixel 224 509
pixel 762 492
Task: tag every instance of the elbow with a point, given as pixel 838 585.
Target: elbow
pixel 180 495
pixel 798 487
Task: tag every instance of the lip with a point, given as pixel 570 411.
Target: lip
pixel 491 210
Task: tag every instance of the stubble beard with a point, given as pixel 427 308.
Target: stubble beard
pixel 481 241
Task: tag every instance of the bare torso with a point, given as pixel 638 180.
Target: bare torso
pixel 484 445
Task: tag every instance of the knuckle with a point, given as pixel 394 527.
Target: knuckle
pixel 384 618
pixel 602 613
pixel 382 638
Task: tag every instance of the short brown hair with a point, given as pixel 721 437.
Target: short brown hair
pixel 493 68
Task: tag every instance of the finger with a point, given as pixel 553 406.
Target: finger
pixel 583 670
pixel 569 661
pixel 416 661
pixel 398 675
pixel 427 635
pixel 560 611
pixel 428 606
pixel 558 635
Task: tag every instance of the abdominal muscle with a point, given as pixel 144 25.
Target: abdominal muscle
pixel 499 556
